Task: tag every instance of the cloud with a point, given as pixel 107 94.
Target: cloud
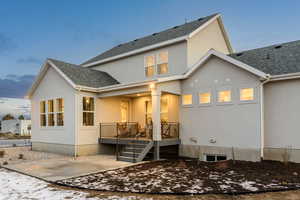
pixel 29 60
pixel 15 86
pixel 6 43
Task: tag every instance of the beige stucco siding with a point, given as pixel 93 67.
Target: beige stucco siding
pixel 54 86
pixel 211 37
pixel 230 125
pixel 282 111
pixel 131 69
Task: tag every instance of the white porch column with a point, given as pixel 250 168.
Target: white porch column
pixel 155 95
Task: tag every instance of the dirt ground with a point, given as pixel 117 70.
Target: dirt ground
pixel 185 176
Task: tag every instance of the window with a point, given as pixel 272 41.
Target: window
pixel 162 63
pixel 205 98
pixel 42 113
pixel 88 111
pixel 187 99
pixel 224 96
pixel 60 112
pixel 124 111
pixel 51 113
pixel 214 158
pixel 150 66
pixel 164 109
pixel 247 94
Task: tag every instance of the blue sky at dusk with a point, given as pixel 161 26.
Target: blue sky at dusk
pixel 73 31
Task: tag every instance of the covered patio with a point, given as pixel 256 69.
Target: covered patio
pixel 143 117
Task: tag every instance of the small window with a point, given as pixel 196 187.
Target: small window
pixel 247 94
pixel 187 99
pixel 214 158
pixel 162 63
pixel 51 113
pixel 60 112
pixel 150 65
pixel 224 96
pixel 205 98
pixel 42 113
pixel 88 111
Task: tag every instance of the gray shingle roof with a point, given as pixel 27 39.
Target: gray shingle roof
pixel 275 60
pixel 83 76
pixel 172 33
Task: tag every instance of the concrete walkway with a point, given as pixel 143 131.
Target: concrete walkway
pixel 62 168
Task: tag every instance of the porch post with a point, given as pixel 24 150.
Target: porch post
pixel 155 95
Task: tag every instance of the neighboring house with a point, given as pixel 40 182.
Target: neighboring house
pixel 183 87
pixel 20 127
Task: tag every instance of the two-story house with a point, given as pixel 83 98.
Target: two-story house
pixel 182 88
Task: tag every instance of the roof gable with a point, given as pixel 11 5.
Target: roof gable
pixel 275 60
pixel 155 38
pixel 75 75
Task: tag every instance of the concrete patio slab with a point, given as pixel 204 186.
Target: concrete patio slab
pixel 61 168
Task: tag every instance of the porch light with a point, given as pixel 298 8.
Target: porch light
pixel 138 95
pixel 152 86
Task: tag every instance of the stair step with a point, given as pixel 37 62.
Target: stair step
pixel 126 159
pixel 136 145
pixel 130 149
pixel 129 154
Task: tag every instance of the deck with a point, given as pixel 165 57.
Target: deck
pixel 114 140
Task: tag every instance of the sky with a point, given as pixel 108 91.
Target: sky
pixel 74 31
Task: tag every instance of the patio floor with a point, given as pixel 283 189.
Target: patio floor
pixel 61 168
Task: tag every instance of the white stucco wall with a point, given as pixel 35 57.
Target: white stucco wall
pixel 233 125
pixel 282 113
pixel 131 69
pixel 53 86
pixel 211 37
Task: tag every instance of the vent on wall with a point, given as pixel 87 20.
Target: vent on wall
pixel 278 47
pixel 239 54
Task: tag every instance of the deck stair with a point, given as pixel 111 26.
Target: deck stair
pixel 134 151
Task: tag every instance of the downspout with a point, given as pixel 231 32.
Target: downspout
pixel 76 125
pixel 262 121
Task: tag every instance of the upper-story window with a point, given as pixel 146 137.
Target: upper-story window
pixel 162 62
pixel 224 96
pixel 158 63
pixel 150 65
pixel 246 94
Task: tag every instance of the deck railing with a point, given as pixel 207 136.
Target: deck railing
pixel 169 130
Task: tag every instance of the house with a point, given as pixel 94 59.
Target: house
pixel 17 126
pixel 182 88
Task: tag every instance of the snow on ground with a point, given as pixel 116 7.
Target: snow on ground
pixel 15 186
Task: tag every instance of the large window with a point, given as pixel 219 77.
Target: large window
pixel 247 94
pixel 88 111
pixel 162 63
pixel 150 65
pixel 60 112
pixel 224 96
pixel 187 99
pixel 51 113
pixel 42 113
pixel 205 98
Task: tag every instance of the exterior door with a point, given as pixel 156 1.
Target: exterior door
pixel 124 111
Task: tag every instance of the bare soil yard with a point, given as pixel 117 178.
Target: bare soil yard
pixel 190 177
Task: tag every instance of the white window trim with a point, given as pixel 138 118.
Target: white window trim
pixel 187 105
pixel 255 94
pixel 55 127
pixel 48 113
pixel 59 112
pixel 82 111
pixel 211 97
pixel 45 113
pixel 223 88
pixel 157 63
pixel 154 66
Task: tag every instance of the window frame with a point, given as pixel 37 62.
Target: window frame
pixel 146 67
pixel 59 112
pixel 225 88
pixel 86 111
pixel 255 95
pixel 211 97
pixel 44 113
pixel 51 113
pixel 187 105
pixel 215 156
pixel 159 63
